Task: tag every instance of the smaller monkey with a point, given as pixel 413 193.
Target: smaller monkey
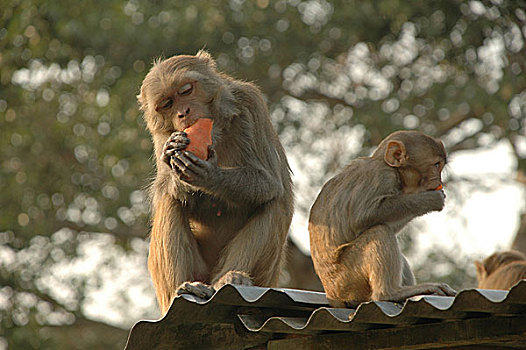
pixel 501 270
pixel 354 221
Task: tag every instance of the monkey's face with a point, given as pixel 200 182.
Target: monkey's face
pixel 419 160
pixel 422 173
pixel 173 95
pixel 181 106
pixel 176 106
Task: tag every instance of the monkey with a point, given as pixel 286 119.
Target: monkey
pixel 222 220
pixel 501 270
pixel 355 218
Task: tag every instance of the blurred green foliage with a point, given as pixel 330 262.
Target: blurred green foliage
pixel 76 158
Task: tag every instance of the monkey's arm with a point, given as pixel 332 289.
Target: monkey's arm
pixel 174 257
pixel 241 185
pixel 397 210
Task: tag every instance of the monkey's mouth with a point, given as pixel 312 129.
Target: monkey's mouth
pixel 437 187
pixel 182 124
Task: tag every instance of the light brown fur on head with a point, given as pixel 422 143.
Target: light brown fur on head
pixel 501 270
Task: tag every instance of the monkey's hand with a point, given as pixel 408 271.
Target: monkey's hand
pixel 198 289
pixel 437 289
pixel 194 170
pixel 435 199
pixel 439 199
pixel 176 142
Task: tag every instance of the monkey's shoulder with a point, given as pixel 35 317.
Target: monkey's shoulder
pixel 361 181
pixel 368 172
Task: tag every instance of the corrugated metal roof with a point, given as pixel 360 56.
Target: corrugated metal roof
pixel 258 315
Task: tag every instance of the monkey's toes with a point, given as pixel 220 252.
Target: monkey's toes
pixel 198 289
pixel 234 277
pixel 450 292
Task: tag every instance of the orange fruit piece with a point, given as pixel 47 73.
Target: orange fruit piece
pixel 440 187
pixel 200 135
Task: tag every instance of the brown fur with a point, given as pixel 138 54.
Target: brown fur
pixel 501 270
pixel 219 221
pixel 354 221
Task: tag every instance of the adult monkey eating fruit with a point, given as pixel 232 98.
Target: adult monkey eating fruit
pixel 354 221
pixel 223 219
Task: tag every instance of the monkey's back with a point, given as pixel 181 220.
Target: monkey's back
pixel 335 217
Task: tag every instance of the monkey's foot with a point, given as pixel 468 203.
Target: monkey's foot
pixel 445 290
pixel 234 277
pixel 441 289
pixel 198 289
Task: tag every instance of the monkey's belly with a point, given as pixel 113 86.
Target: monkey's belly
pixel 213 227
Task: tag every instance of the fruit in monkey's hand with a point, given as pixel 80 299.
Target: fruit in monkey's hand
pixel 200 135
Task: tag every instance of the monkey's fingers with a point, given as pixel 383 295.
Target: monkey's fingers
pixel 165 158
pixel 181 138
pixel 450 292
pixel 437 291
pixel 198 289
pixel 177 134
pixel 169 151
pixel 442 289
pixel 195 159
pixel 234 277
pixel 195 164
pixel 188 164
pixel 180 168
pixel 177 146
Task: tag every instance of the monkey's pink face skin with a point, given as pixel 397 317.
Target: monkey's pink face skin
pixel 432 175
pixel 421 176
pixel 182 106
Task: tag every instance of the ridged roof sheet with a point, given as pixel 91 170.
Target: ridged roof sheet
pixel 288 311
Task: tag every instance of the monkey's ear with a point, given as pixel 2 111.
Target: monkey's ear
pixel 395 154
pixel 481 271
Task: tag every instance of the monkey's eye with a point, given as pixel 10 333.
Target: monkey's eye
pixel 437 165
pixel 165 104
pixel 186 89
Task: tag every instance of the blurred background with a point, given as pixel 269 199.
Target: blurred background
pixel 338 76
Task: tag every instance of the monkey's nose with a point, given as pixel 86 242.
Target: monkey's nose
pixel 182 115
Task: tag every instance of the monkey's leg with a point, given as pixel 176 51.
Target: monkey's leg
pixel 386 269
pixel 254 256
pixel 174 257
